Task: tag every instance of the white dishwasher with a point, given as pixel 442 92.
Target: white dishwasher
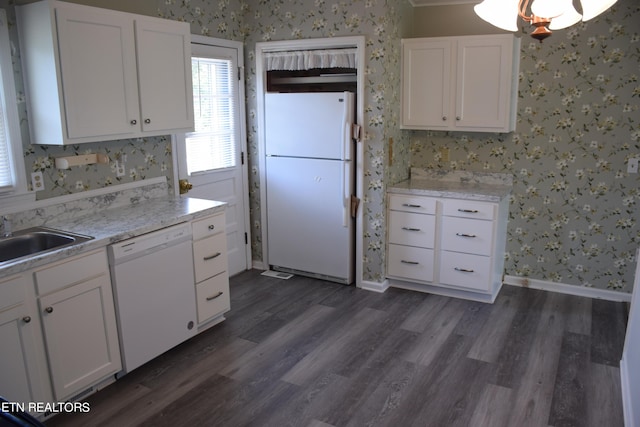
pixel 154 291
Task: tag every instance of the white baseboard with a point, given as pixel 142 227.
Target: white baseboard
pixel 563 288
pixel 374 286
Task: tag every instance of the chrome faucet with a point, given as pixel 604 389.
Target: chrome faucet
pixel 6 226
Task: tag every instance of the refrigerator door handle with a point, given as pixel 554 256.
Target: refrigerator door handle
pixel 346 193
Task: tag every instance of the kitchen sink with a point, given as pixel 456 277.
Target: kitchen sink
pixel 36 240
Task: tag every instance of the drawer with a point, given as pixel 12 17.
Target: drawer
pixel 412 229
pixel 467 235
pixel 210 256
pixel 469 209
pixel 408 203
pixel 466 271
pixel 70 272
pixel 12 291
pixel 208 226
pixel 411 263
pixel 212 297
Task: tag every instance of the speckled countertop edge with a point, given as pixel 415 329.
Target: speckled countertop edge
pixel 116 224
pixel 490 187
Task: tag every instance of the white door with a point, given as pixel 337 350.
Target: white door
pixel 212 159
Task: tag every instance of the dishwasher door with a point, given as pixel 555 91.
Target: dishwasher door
pixel 154 291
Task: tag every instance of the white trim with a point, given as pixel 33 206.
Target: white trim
pixel 627 398
pixel 85 194
pixel 368 285
pixel 563 288
pixel 322 43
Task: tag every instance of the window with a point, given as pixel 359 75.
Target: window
pixel 211 146
pixel 11 161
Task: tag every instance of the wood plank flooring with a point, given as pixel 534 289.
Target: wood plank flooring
pixel 304 352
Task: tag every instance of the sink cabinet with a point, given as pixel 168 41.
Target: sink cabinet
pixel 447 246
pixel 466 83
pixel 94 74
pixel 210 268
pixel 79 323
pixel 58 330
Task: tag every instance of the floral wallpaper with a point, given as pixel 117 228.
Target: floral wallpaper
pixel 573 216
pixel 574 211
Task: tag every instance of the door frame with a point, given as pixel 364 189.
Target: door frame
pixel 357 42
pixel 242 108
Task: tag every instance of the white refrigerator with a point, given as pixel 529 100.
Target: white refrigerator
pixel 309 182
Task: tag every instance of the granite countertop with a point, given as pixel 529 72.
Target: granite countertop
pixel 116 224
pixel 490 187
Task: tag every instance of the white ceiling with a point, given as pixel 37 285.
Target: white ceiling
pixel 441 2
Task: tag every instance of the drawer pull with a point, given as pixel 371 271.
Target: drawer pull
pixel 211 298
pixel 410 229
pixel 49 310
pixel 409 262
pixel 468 210
pixel 211 227
pixel 463 270
pixel 465 235
pixel 210 257
pixel 26 319
pixel 409 205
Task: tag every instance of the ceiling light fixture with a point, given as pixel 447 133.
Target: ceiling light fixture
pixel 545 15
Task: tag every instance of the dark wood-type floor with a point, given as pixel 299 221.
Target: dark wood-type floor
pixel 303 352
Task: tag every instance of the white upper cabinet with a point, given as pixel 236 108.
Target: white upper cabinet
pixel 464 83
pixel 94 74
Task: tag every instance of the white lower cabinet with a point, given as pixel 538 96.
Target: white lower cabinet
pixel 210 268
pixel 58 330
pixel 449 246
pixel 79 322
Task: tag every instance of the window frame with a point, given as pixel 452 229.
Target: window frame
pixel 9 103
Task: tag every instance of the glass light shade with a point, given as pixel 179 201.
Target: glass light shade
pixel 500 13
pixel 593 8
pixel 567 19
pixel 550 8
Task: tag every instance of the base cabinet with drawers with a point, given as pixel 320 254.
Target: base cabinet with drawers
pixel 210 269
pixel 447 246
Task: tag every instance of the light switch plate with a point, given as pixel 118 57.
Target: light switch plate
pixel 120 170
pixel 632 165
pixel 37 181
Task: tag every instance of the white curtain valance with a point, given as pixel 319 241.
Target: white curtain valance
pixel 308 59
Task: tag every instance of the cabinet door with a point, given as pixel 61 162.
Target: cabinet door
pixel 98 72
pixel 164 74
pixel 81 337
pixel 18 373
pixel 21 379
pixel 426 84
pixel 484 79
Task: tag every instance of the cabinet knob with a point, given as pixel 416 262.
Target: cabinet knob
pixel 211 227
pixel 444 118
pixel 134 122
pixel 26 319
pixel 49 309
pixel 147 121
pixel 458 118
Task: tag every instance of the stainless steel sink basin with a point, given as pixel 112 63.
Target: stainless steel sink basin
pixel 36 240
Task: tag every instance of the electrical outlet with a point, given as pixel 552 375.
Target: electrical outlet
pixel 444 154
pixel 37 181
pixel 120 170
pixel 632 165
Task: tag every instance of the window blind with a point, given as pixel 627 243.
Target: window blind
pixel 211 146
